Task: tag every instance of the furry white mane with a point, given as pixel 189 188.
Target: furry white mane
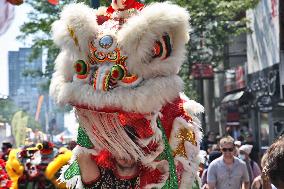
pixel 136 38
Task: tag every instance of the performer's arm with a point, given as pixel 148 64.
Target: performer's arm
pixel 88 167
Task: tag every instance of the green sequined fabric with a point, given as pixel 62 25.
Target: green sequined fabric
pixel 83 139
pixel 172 182
pixel 72 171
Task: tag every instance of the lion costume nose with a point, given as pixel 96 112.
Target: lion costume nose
pixel 107 76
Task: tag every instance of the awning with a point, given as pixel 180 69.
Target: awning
pixel 233 97
pixel 232 109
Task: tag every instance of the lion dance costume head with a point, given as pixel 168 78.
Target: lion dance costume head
pixel 118 68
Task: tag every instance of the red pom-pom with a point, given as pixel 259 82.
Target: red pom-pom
pixel 104 159
pixel 53 2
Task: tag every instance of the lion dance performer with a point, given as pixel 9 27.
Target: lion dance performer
pixel 37 167
pixel 5 182
pixel 118 67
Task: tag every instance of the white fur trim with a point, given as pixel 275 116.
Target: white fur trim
pixel 191 163
pixel 82 19
pixel 189 174
pixel 101 11
pixel 138 34
pixel 190 106
pixel 149 96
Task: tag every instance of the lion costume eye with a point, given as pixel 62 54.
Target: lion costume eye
pixel 162 48
pixel 81 69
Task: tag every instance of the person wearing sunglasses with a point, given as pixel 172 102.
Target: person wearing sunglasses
pixel 227 171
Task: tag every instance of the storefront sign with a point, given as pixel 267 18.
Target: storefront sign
pixel 265 82
pixel 264 103
pixel 234 79
pixel 202 71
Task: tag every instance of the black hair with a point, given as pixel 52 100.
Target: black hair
pixel 7 144
pixel 274 166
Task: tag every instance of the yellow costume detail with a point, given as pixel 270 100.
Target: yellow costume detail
pixel 184 135
pixel 14 168
pixel 55 166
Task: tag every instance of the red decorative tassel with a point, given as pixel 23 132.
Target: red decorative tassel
pixel 53 2
pixel 104 159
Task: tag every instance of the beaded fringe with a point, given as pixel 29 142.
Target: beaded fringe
pixel 106 132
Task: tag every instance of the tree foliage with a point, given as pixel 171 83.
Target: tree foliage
pixel 212 23
pixel 7 109
pixel 19 124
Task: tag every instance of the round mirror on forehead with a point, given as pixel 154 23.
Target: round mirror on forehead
pixel 106 41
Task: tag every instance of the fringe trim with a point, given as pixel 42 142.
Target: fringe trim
pixel 106 132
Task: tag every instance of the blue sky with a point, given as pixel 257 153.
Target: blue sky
pixel 8 42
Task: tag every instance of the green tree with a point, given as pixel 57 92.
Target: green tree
pixel 19 125
pixel 7 109
pixel 213 23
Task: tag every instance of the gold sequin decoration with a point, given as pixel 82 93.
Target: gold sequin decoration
pixel 73 35
pixel 184 135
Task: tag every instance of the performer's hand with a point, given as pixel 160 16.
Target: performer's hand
pixel 89 169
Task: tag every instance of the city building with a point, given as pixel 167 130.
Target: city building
pixel 26 93
pixel 265 70
pixel 252 80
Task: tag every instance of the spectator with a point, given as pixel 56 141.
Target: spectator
pixel 237 145
pixel 258 182
pixel 274 166
pixel 212 156
pixel 254 152
pixel 210 139
pixel 227 171
pixel 209 149
pixel 6 147
pixel 252 167
pixel 215 147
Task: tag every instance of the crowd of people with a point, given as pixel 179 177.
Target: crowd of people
pixel 228 164
pixel 231 164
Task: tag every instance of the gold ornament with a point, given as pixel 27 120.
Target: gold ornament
pixel 73 35
pixel 184 135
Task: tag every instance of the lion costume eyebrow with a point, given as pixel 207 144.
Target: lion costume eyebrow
pixel 73 36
